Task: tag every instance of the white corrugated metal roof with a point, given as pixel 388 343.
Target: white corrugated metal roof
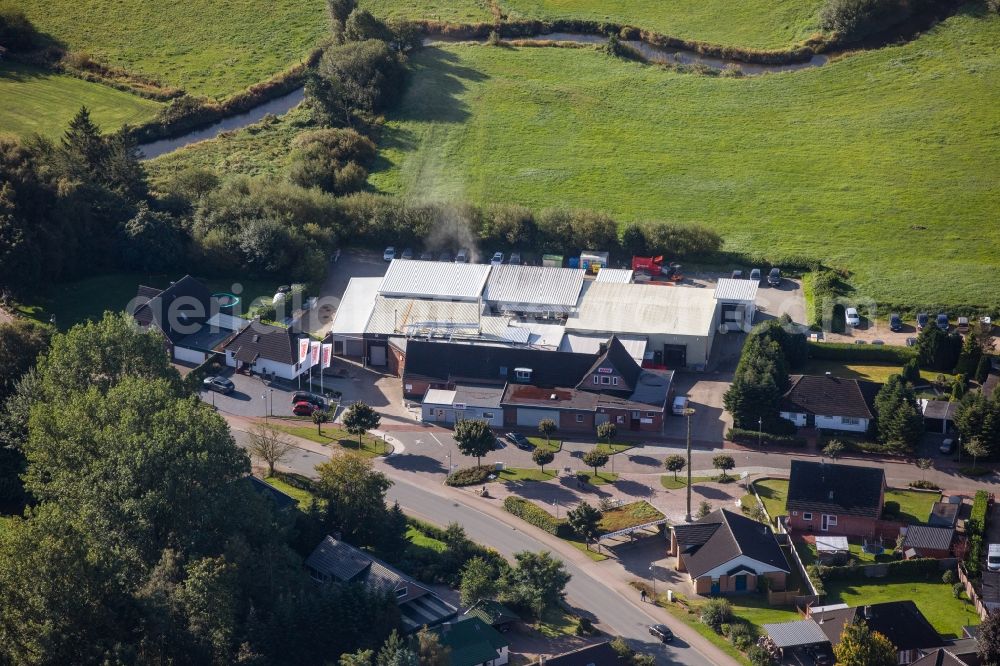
pixel 791 634
pixel 415 316
pixel 542 335
pixel 227 321
pixel 356 306
pixel 618 275
pixel 439 397
pixel 831 544
pixel 552 288
pixel 729 289
pixel 580 343
pixel 409 278
pixel 644 309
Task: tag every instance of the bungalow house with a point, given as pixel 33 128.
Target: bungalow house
pixel 941 657
pixel 472 642
pixel 828 402
pixel 899 621
pixel 726 553
pixel 266 349
pixel 187 316
pixel 843 499
pixel 335 560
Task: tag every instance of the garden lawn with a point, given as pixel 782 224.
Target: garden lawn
pixel 667 480
pixel 773 492
pixel 873 373
pixel 629 515
pixel 934 599
pixel 754 609
pixel 553 445
pixel 210 48
pixel 38 101
pixel 523 474
pixel 303 497
pixel 914 506
pixel 839 164
pixel 600 479
pixel 419 539
pixel 764 24
pixel 371 446
pixel 263 148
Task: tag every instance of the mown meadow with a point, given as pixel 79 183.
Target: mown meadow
pixel 39 101
pixel 754 24
pixel 882 163
pixel 210 49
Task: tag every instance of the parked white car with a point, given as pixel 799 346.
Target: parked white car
pixel 389 254
pixel 681 405
pixel 993 557
pixel 852 318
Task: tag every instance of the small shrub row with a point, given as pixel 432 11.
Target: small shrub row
pixel 469 476
pixel 915 568
pixel 531 513
pixel 750 437
pixel 923 484
pixel 836 351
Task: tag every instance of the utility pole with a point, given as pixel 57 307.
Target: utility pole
pixel 688 412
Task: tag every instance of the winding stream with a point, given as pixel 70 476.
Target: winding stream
pixel 285 103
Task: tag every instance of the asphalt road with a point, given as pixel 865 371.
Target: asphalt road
pixel 614 612
pixel 617 614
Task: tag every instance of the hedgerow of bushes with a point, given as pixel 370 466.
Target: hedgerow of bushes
pixel 531 513
pixel 751 437
pixel 843 352
pixel 975 528
pixel 469 476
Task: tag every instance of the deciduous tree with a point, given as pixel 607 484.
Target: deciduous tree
pixel 478 581
pixel 474 438
pixel 359 419
pixel 596 457
pixel 542 457
pixel 607 431
pixel 584 520
pixel 355 497
pixel 547 428
pixel 988 639
pixel 860 646
pixel 674 463
pixel 724 463
pixel 269 444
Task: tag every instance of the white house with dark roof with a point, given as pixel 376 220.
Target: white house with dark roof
pixel 337 561
pixel 265 349
pixel 726 553
pixel 830 403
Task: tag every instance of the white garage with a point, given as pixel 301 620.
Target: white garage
pixel 466 402
pixel 530 418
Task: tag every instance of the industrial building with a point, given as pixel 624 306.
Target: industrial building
pixel 533 307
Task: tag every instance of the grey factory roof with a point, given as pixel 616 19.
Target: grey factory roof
pixel 644 309
pixel 799 632
pixel 415 316
pixel 591 344
pixel 534 287
pixel 728 289
pixel 434 279
pixel 616 275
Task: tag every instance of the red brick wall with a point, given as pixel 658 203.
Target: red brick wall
pixel 567 422
pixel 846 526
pixel 626 424
pixel 417 388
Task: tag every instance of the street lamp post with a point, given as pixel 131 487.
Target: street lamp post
pixel 270 408
pixel 263 398
pixel 556 506
pixel 688 412
pixel 652 574
pixel 760 432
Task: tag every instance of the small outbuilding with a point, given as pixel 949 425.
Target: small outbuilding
pixel 925 541
pixel 737 303
pixel 939 415
pixel 832 549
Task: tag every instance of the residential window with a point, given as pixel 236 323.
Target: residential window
pixel 523 375
pixel 487 415
pixel 614 381
pixel 597 380
pixel 503 370
pixel 650 415
pixel 831 520
pixel 579 418
pixel 806 515
pixel 635 415
pixel 620 418
pixel 848 420
pixel 401 592
pixel 605 380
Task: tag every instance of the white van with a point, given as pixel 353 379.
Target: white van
pixel 680 405
pixel 993 557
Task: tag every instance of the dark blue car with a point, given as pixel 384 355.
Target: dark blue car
pixel 942 321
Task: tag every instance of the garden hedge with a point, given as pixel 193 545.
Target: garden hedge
pixel 836 351
pixel 531 513
pixel 469 476
pixel 750 437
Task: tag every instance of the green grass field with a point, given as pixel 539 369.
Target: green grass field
pixel 516 474
pixel 874 372
pixel 211 48
pixel 667 480
pixel 371 446
pixel 554 445
pixel 303 497
pixel 38 101
pixel 761 24
pixel 452 11
pixel 263 148
pixel 881 163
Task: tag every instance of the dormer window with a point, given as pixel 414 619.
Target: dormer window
pixel 400 592
pixel 523 375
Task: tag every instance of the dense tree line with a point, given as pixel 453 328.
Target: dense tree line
pixel 145 545
pixel 856 20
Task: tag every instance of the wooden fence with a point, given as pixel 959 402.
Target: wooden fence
pixel 970 590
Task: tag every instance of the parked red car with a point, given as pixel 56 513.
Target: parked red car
pixel 303 408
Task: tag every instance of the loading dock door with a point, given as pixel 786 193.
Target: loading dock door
pixel 675 356
pixel 530 418
pixel 376 356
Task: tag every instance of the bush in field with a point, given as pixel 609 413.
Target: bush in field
pixel 356 79
pixel 716 612
pixel 332 159
pixel 853 20
pixel 16 31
